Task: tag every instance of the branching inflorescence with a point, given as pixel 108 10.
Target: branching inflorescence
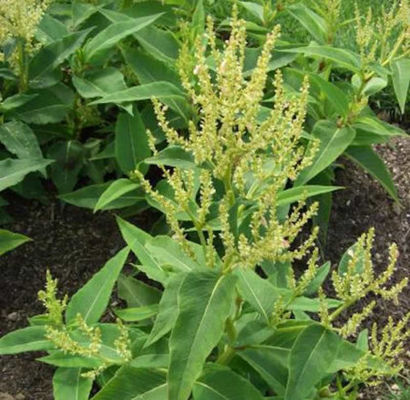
pixel 233 145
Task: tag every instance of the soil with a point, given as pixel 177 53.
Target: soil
pixel 74 243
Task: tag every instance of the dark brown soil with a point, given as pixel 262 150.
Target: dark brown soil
pixel 73 243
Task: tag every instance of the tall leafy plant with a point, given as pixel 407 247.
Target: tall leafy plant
pixel 233 320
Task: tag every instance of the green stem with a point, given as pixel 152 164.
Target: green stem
pixel 226 356
pixel 395 49
pixel 198 229
pixel 343 307
pixel 22 63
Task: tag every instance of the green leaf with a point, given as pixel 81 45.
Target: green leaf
pixel 368 159
pixel 270 362
pixel 204 303
pixel 401 80
pixel 311 21
pixel 115 191
pixel 224 384
pixel 13 171
pixel 81 12
pixel 149 69
pixel 310 357
pixel 278 60
pixel 255 9
pixel 336 97
pixel 198 19
pixel 69 157
pixel 342 57
pixel 92 299
pixel 100 83
pixel 166 316
pixel 131 141
pixel 173 156
pixel 319 278
pixel 363 340
pixel 137 293
pixel 69 384
pixel 137 313
pixel 50 30
pixel 87 197
pixel 134 384
pixel 10 240
pixel 161 90
pixel 371 130
pixel 49 106
pixel 20 140
pixel 136 240
pixel 12 102
pixel 259 292
pixel 153 360
pixel 374 85
pixel 115 32
pixel 169 253
pixel 346 356
pixel 333 142
pixel 60 359
pixel 159 43
pixel 292 195
pixel 32 338
pixel 51 56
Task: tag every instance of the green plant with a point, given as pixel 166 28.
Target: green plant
pixel 233 320
pixel 56 58
pixel 344 79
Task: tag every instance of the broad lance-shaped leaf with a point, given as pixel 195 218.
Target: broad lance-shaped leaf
pixel 52 55
pixel 137 313
pixel 260 293
pixel 166 316
pixel 137 240
pixel 204 303
pixel 401 81
pixel 68 384
pixel 161 90
pixel 333 142
pixel 368 159
pixel 89 196
pixel 310 358
pixel 173 156
pixel 111 35
pixel 16 101
pixel 115 191
pixel 69 159
pixel 224 384
pixel 311 21
pixel 131 142
pixel 169 252
pixel 32 338
pixel 292 195
pixel 270 362
pixel 137 293
pixel 13 171
pixel 10 240
pixel 134 384
pixel 149 69
pixel 343 57
pixel 19 139
pixel 92 299
pixel 255 9
pixel 100 83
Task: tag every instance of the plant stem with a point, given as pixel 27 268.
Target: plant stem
pixel 226 356
pixel 23 72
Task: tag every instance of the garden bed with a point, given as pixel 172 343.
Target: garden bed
pixel 73 243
